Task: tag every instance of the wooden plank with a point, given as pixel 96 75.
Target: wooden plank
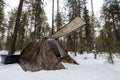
pixel 73 25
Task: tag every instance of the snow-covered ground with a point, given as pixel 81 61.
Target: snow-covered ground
pixel 88 69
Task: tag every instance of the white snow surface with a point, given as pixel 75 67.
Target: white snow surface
pixel 88 69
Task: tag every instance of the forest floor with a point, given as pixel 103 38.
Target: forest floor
pixel 88 69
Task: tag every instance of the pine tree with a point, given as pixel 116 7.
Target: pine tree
pixel 111 11
pixel 88 29
pixel 37 17
pixel 110 15
pixel 58 17
pixel 10 27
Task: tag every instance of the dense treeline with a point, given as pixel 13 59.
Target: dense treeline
pixel 109 39
pixel 34 25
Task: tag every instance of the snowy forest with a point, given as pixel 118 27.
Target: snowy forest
pixel 93 47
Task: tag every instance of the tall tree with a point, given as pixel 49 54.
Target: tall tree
pixel 93 31
pixel 79 10
pixel 88 29
pixel 12 47
pixel 53 17
pixel 58 17
pixel 1 12
pixel 1 22
pixel 38 18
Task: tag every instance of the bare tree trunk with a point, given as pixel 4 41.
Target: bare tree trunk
pixel 58 25
pixel 92 22
pixel 53 17
pixel 110 58
pixel 14 37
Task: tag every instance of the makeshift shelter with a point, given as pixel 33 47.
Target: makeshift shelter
pixel 44 54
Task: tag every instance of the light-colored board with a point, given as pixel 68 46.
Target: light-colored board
pixel 73 25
